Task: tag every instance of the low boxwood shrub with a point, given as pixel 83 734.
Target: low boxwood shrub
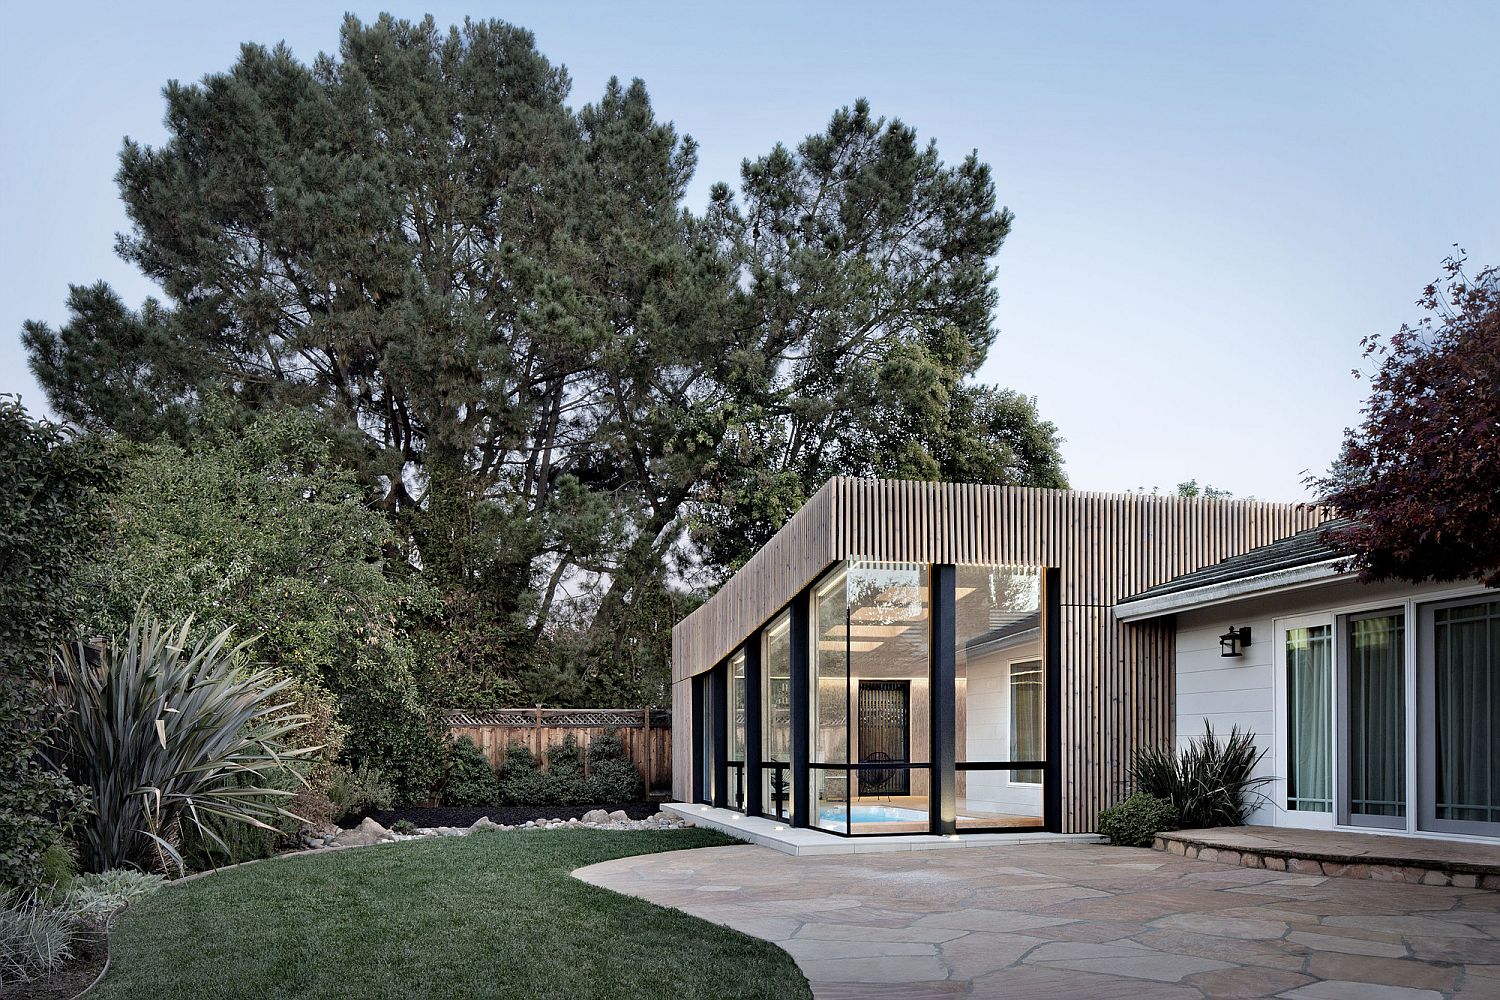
pixel 471 780
pixel 612 777
pixel 1134 822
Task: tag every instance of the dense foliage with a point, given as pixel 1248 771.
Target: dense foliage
pixel 612 776
pixel 1209 782
pixel 609 779
pixel 255 527
pixel 522 780
pixel 1419 478
pixel 47 524
pixel 471 781
pixel 571 395
pixel 169 732
pixel 1136 821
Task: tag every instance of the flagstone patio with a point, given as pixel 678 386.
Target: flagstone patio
pixel 1081 921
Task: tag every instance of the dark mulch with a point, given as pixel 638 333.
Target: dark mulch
pixel 508 815
pixel 90 951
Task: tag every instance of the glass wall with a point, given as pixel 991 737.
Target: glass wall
pixel 870 699
pixel 736 741
pixel 1001 698
pixel 776 718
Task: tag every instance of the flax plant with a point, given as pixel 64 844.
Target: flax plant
pixel 1211 782
pixel 169 729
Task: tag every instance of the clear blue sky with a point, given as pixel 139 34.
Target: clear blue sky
pixel 1213 205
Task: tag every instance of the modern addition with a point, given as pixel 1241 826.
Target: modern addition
pixel 939 658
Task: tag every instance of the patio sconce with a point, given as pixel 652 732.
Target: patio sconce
pixel 1232 643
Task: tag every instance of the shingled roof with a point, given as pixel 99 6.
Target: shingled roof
pixel 1305 548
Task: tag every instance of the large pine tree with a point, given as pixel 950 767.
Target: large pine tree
pixel 571 393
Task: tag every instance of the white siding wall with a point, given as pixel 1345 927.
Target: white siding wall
pixel 1227 691
pixel 987 724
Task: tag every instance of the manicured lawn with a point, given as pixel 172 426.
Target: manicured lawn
pixel 489 915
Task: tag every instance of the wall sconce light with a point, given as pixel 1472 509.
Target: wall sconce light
pixel 1232 642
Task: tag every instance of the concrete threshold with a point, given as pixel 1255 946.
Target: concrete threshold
pixel 780 836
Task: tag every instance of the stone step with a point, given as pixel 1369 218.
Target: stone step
pixel 1341 855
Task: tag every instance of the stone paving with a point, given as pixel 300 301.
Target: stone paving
pixel 1080 921
pixel 1382 857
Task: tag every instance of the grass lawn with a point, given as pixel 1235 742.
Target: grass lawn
pixel 488 915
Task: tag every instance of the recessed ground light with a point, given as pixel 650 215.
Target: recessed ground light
pixel 703 808
pixel 952 836
pixel 780 828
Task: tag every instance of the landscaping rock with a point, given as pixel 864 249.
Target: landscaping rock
pixel 484 824
pixel 596 816
pixel 619 815
pixel 368 832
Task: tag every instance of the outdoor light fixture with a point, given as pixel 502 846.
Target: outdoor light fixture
pixel 1232 642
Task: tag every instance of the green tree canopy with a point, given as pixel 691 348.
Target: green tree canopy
pixel 573 394
pixel 256 528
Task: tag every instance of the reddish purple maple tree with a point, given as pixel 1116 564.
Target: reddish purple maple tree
pixel 1419 478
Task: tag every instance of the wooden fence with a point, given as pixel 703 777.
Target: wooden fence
pixel 646 733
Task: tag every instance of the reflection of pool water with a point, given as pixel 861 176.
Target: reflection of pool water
pixel 833 816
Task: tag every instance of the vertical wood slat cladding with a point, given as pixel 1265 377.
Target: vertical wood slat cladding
pixel 1118 688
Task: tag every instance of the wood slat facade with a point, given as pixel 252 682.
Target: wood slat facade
pixel 1117 678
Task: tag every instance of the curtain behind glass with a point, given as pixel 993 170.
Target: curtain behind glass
pixel 1309 687
pixel 1026 718
pixel 1467 712
pixel 1377 716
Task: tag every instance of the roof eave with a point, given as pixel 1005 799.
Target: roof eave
pixel 1229 590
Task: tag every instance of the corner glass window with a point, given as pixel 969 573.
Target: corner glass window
pixel 870 698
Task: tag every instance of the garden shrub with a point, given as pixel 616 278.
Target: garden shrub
pixel 522 781
pixel 471 780
pixel 254 524
pixel 612 777
pixel 1209 782
pixel 47 526
pixel 358 791
pixel 565 770
pixel 1137 820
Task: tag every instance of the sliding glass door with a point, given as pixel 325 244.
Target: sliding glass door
pixel 1460 720
pixel 1372 695
pixel 1308 680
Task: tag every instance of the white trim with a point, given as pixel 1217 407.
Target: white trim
pixel 1229 590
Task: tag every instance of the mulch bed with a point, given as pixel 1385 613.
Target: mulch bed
pixel 508 815
pixel 90 952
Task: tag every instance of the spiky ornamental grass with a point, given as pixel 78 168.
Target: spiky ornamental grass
pixel 170 730
pixel 1209 781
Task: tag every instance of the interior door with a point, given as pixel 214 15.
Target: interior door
pixel 885 736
